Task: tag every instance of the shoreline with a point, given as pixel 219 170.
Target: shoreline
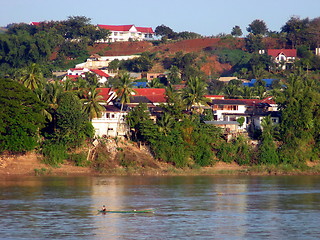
pixel 30 165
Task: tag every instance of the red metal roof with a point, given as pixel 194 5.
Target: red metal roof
pixel 126 28
pixel 214 96
pixel 149 91
pixel 35 23
pixel 248 102
pixel 287 52
pixel 122 28
pixel 100 73
pixel 107 93
pixel 145 29
pixel 76 69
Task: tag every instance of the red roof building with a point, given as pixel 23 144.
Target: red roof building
pixel 123 33
pixel 283 57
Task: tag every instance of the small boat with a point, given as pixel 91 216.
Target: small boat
pixel 128 211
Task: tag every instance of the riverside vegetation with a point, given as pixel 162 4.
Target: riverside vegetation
pixel 53 117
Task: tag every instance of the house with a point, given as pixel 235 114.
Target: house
pixel 74 73
pixel 122 33
pixel 102 62
pixel 283 58
pixel 111 124
pixel 227 112
pixel 151 76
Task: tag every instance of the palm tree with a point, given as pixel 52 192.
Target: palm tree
pixel 92 104
pixel 49 95
pixel 31 76
pixel 154 83
pixel 194 93
pixel 124 91
pixel 165 123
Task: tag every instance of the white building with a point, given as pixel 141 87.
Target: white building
pixel 74 73
pixel 123 33
pixel 228 111
pixel 98 62
pixel 111 124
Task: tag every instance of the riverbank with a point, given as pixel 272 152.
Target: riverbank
pixel 136 160
pixel 30 164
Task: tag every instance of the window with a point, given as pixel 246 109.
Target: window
pixel 110 129
pixel 108 115
pixel 112 115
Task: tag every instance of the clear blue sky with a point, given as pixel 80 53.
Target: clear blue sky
pixel 206 17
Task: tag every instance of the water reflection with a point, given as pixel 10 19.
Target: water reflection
pixel 205 207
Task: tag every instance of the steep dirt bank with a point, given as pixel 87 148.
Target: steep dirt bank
pixel 128 159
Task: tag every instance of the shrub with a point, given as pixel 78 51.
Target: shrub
pixel 54 153
pixel 80 159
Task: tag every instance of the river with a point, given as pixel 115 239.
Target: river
pixel 186 207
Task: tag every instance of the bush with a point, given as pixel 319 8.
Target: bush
pixel 54 153
pixel 80 159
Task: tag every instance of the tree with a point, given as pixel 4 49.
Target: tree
pixel 236 31
pixel 20 117
pixel 174 76
pixel 164 31
pixel 257 27
pixel 31 76
pixel 194 92
pixel 296 30
pixel 254 43
pixel 313 32
pixel 137 119
pixel 267 149
pixel 124 90
pixel 72 125
pixel 299 107
pixel 92 104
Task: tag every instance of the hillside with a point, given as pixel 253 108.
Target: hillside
pixel 169 49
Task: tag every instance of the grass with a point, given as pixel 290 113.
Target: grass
pixel 42 171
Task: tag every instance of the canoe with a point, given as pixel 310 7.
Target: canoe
pixel 128 211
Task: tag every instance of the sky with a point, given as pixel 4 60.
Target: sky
pixel 206 17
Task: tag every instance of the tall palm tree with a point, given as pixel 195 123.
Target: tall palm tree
pixel 124 90
pixel 31 76
pixel 92 103
pixel 194 93
pixel 49 95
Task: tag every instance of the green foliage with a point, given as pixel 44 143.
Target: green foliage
pixel 236 31
pixel 257 27
pixel 254 43
pixel 232 56
pixel 80 159
pixel 141 64
pixel 72 126
pixel 237 151
pixel 194 92
pixel 267 150
pixel 241 120
pixel 299 108
pixel 20 117
pixel 54 153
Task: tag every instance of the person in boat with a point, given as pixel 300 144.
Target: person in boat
pixel 104 209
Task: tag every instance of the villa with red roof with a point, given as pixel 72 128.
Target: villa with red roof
pixel 123 33
pixel 283 57
pixel 226 112
pixel 74 73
